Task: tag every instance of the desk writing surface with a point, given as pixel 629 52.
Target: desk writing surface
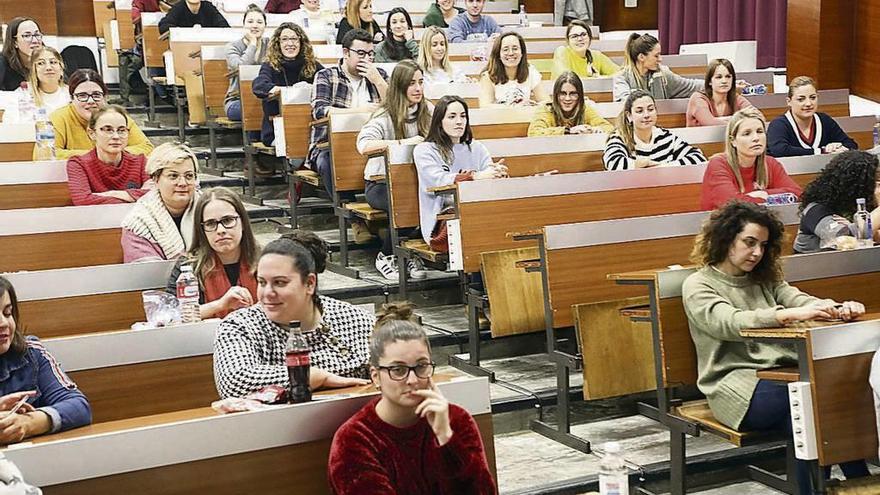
pixel 639 276
pixel 800 329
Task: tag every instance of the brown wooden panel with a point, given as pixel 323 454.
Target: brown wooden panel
pixel 16 152
pixel 34 196
pixel 302 468
pixel 611 15
pixel 80 248
pixel 215 85
pixel 403 187
pixel 606 337
pixel 803 38
pixel 539 6
pixel 515 295
pixel 103 13
pixel 148 388
pixel 864 81
pixel 844 407
pixel 296 129
pixel 126 29
pixel 252 109
pixel 82 314
pixel 43 11
pixel 153 47
pixel 493 131
pixel 75 18
pixel 348 164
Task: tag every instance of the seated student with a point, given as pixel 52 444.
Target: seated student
pixel 359 15
pixel 29 370
pixel 189 13
pixel 642 70
pixel 472 25
pixel 46 79
pixel 638 142
pixel 739 285
pixel 249 346
pixel 23 36
pixel 399 44
pixel 411 439
pixel 829 202
pixel 441 13
pixel 404 118
pixel 509 78
pixel 719 99
pixel 356 83
pixel 568 112
pixel 576 55
pixel 802 130
pixel 108 174
pixel 282 6
pixel 434 59
pixel 71 122
pixel 251 49
pixel 290 60
pixel 160 226
pixel 315 13
pixel 449 155
pixel 223 254
pixel 744 171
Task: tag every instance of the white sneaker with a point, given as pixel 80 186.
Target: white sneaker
pixel 416 268
pixel 387 266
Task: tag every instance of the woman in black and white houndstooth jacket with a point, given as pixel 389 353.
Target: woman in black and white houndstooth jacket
pixel 249 347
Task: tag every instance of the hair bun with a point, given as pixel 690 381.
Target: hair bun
pixel 402 311
pixel 313 244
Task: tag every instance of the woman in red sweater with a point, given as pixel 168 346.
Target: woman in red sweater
pixel 744 171
pixel 108 174
pixel 411 440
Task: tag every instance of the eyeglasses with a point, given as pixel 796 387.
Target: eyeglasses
pixel 174 177
pixel 363 53
pixel 53 62
pixel 401 372
pixel 289 40
pixel 579 36
pixel 31 36
pixel 109 131
pixel 84 97
pixel 227 222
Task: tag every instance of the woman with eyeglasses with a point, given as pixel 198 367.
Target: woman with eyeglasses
pixel 108 174
pixel 23 36
pixel 160 226
pixel 71 122
pixel 576 55
pixel 249 347
pixel 46 79
pixel 509 79
pixel 410 439
pixel 568 112
pixel 223 255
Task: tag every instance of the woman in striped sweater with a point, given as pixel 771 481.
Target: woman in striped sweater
pixel 637 141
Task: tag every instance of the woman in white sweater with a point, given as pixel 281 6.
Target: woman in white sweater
pixel 404 118
pixel 638 142
pixel 449 155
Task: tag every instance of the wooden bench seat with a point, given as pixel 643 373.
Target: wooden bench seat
pixel 309 177
pixel 424 250
pixel 698 411
pixel 782 374
pixel 365 211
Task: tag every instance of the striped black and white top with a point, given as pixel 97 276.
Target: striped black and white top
pixel 665 148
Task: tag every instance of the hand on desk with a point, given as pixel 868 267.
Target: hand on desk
pixel 324 379
pixel 847 311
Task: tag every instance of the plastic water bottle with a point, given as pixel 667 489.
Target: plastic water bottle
pixel 523 17
pixel 188 295
pixel 330 33
pixel 876 130
pixel 45 136
pixel 864 228
pixel 613 474
pixel 298 360
pixel 26 104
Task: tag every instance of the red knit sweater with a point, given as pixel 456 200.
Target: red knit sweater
pixel 720 186
pixel 87 175
pixel 371 457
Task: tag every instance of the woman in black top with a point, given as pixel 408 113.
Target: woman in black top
pixel 291 60
pixel 22 37
pixel 359 13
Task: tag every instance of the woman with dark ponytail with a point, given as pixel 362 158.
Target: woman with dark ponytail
pixel 411 439
pixel 249 347
pixel 642 70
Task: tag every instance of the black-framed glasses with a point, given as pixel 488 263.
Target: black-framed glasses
pixel 227 222
pixel 84 97
pixel 579 36
pixel 400 372
pixel 364 53
pixel 31 36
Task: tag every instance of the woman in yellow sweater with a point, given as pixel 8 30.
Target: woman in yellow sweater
pixel 577 57
pixel 568 112
pixel 88 93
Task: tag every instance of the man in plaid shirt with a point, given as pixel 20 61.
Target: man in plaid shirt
pixel 355 84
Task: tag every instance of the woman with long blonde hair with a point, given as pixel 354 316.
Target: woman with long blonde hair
pixel 433 58
pixel 46 79
pixel 359 14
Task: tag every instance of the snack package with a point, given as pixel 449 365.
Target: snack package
pixel 161 308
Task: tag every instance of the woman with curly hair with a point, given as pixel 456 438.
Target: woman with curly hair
pixel 290 60
pixel 740 285
pixel 829 202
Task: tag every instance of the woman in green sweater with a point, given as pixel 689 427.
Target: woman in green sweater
pixel 739 285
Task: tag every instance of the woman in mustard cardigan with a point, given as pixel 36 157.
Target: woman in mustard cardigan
pixel 577 57
pixel 568 112
pixel 88 93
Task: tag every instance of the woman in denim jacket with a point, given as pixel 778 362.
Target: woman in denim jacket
pixel 27 369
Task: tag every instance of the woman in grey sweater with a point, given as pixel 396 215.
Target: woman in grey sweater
pixel 642 70
pixel 739 285
pixel 251 49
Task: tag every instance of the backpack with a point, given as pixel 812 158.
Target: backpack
pixel 77 57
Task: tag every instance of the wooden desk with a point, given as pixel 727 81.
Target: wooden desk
pixel 16 142
pixel 28 184
pixel 198 451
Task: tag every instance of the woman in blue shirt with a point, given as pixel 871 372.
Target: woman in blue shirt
pixel 54 403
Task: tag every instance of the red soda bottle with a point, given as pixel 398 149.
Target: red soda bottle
pixel 296 355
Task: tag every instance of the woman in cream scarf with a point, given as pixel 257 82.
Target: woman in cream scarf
pixel 160 226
